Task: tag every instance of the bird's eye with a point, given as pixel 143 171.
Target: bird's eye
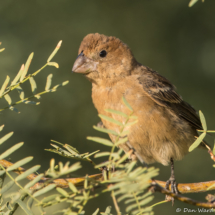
pixel 103 53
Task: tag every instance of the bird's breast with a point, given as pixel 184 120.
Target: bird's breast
pixel 109 96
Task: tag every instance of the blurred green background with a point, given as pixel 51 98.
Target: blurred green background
pixel 176 41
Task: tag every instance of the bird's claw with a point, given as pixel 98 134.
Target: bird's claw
pixel 174 189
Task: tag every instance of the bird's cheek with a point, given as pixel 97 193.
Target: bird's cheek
pixel 84 65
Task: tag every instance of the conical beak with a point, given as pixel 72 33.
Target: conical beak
pixel 84 64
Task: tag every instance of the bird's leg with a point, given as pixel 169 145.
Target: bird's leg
pixel 172 181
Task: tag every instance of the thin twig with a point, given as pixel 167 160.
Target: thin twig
pixel 210 152
pixel 115 203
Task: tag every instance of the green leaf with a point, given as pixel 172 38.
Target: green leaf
pixel 33 85
pixel 27 64
pixel 107 211
pixel 59 85
pixel 30 203
pixel 101 140
pixel 124 133
pixel 20 163
pixel 197 142
pixel 121 141
pixel 96 212
pixel 138 171
pixel 72 187
pixel 7 187
pixel 214 148
pixel 2 172
pixel 11 150
pixel 21 92
pixel 5 137
pixel 53 64
pixel 54 141
pixel 131 123
pixel 71 149
pixel 117 112
pixel 37 96
pixel 125 196
pixel 62 192
pixel 203 121
pixel 86 156
pixel 55 51
pixel 1 128
pixel 15 80
pixel 59 151
pixel 102 154
pixel 44 190
pixel 139 198
pixel 27 173
pixel 49 198
pixel 72 168
pixel 79 198
pixel 14 196
pixel 146 200
pixel 65 83
pixel 192 2
pixel 122 159
pixel 14 109
pixel 144 211
pixel 108 131
pixel 86 182
pixel 52 165
pixel 109 119
pixel 133 117
pixel 34 181
pixel 8 99
pixel 24 207
pixel 4 85
pixel 131 166
pixel 30 102
pixel 48 82
pixel 131 207
pixel 126 103
pixel 115 156
pixel 103 164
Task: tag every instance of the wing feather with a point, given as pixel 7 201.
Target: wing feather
pixel 163 93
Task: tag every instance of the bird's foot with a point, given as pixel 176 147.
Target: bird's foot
pixel 173 184
pixel 174 189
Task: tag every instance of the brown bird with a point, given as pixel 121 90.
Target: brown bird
pixel 166 124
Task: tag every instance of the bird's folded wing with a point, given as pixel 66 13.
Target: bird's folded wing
pixel 160 90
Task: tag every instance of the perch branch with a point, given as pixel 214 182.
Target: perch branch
pixel 157 188
pixel 63 182
pixel 156 185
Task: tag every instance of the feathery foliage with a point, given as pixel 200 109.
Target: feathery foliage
pixel 123 179
pixel 22 77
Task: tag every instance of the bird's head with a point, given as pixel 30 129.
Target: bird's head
pixel 102 57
